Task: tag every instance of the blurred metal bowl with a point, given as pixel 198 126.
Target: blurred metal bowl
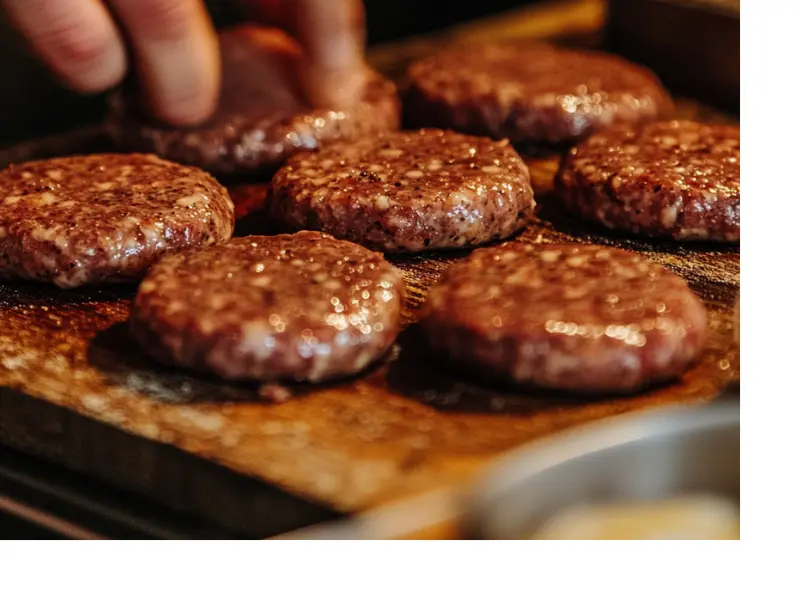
pixel 646 456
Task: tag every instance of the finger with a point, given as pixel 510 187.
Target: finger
pixel 331 33
pixel 178 56
pixel 75 38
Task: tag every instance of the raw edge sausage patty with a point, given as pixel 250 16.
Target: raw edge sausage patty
pixel 104 217
pixel 407 191
pixel 677 179
pixel 261 119
pixel 289 307
pixel 531 93
pixel 572 317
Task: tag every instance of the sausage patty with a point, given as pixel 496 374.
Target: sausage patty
pixel 531 93
pixel 289 307
pixel 105 217
pixel 675 179
pixel 261 119
pixel 407 191
pixel 571 317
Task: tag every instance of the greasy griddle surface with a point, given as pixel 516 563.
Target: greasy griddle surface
pixel 407 425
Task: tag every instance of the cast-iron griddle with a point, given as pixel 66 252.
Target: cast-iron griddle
pixel 75 389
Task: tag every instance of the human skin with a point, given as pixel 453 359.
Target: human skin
pixel 91 45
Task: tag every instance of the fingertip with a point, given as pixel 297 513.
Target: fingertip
pixel 336 88
pixel 104 75
pixel 178 57
pixel 189 105
pixel 331 34
pixel 184 113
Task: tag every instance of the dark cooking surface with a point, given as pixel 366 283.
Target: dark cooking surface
pixel 405 426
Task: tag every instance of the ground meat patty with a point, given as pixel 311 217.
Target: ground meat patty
pixel 407 191
pixel 571 317
pixel 261 119
pixel 531 93
pixel 104 217
pixel 675 179
pixel 289 307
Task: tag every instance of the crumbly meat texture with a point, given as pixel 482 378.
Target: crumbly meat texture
pixel 571 317
pixel 676 179
pixel 302 307
pixel 106 217
pixel 531 93
pixel 262 118
pixel 407 191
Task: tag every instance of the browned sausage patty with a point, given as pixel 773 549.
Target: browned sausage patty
pixel 261 119
pixel 571 317
pixel 407 191
pixel 289 307
pixel 531 93
pixel 675 179
pixel 105 217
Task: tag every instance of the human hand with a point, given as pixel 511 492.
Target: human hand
pixel 331 34
pixel 175 48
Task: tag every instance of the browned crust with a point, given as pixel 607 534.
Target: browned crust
pixel 571 317
pixel 261 119
pixel 531 93
pixel 106 217
pixel 407 191
pixel 287 307
pixel 676 179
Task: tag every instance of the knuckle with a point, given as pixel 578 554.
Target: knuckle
pixel 74 43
